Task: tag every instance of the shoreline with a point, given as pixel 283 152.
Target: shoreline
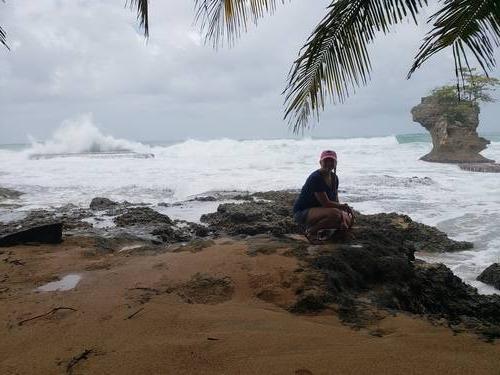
pixel 243 293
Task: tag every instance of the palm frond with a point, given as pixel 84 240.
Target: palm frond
pixel 464 25
pixel 3 38
pixel 141 7
pixel 3 35
pixel 222 20
pixel 335 59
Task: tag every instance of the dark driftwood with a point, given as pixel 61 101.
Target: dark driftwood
pixel 47 233
pixel 80 357
pixel 134 314
pixel 46 314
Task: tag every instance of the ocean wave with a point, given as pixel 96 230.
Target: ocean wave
pixel 79 135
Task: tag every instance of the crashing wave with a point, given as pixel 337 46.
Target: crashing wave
pixel 79 136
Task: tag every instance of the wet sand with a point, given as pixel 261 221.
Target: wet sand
pixel 211 311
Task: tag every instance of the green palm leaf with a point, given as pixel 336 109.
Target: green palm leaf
pixel 3 37
pixel 335 59
pixel 226 19
pixel 465 25
pixel 141 7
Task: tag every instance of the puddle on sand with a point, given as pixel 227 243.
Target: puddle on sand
pixel 68 282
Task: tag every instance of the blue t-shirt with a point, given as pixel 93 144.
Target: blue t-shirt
pixel 315 183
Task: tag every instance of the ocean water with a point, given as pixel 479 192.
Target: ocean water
pixel 380 174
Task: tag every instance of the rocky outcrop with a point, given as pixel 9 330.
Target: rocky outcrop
pixel 252 218
pixel 453 131
pixel 368 270
pixel 141 216
pixel 491 275
pixel 274 216
pixel 101 204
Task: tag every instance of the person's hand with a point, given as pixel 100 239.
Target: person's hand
pixel 345 207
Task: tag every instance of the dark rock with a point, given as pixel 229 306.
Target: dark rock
pixel 252 218
pixel 284 197
pixel 70 215
pixel 141 216
pixel 375 266
pixel 101 204
pixel 47 233
pixel 491 275
pixel 454 138
pixel 9 193
pixel 171 234
pixel 203 199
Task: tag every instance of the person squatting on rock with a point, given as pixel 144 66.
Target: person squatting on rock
pixel 317 207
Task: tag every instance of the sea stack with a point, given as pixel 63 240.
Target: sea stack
pixel 453 131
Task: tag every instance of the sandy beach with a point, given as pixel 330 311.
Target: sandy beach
pixel 200 310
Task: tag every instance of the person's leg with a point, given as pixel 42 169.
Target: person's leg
pixel 324 218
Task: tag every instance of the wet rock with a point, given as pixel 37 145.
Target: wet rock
pixel 252 218
pixel 491 275
pixel 102 204
pixel 418 236
pixel 141 216
pixel 283 197
pixel 9 193
pixel 453 130
pixel 171 234
pixel 208 198
pixel 374 266
pixel 70 215
pixel 47 233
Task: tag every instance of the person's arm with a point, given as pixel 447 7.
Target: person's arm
pixel 323 199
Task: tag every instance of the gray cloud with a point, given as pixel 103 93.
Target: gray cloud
pixel 89 56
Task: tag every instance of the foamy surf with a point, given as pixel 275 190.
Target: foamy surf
pixel 378 174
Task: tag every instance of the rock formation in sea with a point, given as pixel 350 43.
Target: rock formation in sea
pixel 453 128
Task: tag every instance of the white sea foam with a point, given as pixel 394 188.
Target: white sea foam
pixel 80 135
pixel 376 175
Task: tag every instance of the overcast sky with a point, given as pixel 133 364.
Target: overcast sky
pixel 88 56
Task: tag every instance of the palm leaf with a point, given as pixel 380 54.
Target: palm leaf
pixel 3 38
pixel 226 19
pixel 335 60
pixel 465 25
pixel 141 7
pixel 3 35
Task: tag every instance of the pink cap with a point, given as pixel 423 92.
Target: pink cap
pixel 328 155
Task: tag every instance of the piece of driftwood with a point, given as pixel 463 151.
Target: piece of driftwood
pixel 46 233
pixel 46 314
pixel 76 359
pixel 134 314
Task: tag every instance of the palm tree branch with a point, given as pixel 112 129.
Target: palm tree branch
pixel 141 7
pixel 335 60
pixel 226 19
pixel 474 24
pixel 3 38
